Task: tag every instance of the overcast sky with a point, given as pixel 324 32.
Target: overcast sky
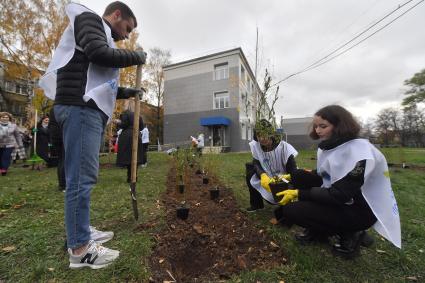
pixel 292 35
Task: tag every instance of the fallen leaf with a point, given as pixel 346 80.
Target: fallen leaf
pixel 381 252
pixel 274 221
pixel 281 281
pixel 412 278
pixel 197 204
pixel 9 249
pixel 274 244
pixel 241 262
pixel 17 206
pixel 173 226
pixel 261 231
pixel 50 269
pixel 198 228
pixel 161 260
pixel 421 250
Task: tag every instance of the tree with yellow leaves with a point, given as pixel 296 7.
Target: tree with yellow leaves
pixel 29 33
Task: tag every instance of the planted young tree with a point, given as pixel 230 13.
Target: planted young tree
pixel 181 161
pixel 266 100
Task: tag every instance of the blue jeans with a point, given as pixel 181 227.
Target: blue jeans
pixel 82 130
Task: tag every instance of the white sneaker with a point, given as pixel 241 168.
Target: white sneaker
pixel 95 257
pixel 100 236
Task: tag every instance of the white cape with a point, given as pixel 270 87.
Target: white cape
pixel 273 163
pixel 336 163
pixel 102 82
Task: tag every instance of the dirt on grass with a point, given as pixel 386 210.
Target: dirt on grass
pixel 216 241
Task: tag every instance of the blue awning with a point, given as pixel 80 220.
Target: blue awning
pixel 215 121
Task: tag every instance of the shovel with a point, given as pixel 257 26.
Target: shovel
pixel 135 142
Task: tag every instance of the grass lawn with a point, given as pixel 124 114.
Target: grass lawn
pixel 32 233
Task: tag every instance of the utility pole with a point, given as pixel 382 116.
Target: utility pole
pixel 256 82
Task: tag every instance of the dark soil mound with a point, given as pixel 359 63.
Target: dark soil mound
pixel 216 241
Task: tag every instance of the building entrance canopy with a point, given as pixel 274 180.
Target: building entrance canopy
pixel 215 121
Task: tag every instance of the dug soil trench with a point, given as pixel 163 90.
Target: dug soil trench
pixel 216 241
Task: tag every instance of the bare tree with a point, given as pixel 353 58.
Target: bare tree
pixel 157 59
pixel 387 125
pixel 413 127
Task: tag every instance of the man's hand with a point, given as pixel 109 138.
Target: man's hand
pixel 143 55
pixel 288 196
pixel 265 181
pixel 128 92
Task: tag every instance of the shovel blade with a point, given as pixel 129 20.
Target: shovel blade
pixel 134 200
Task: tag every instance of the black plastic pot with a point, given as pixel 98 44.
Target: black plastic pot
pixel 214 193
pixel 205 180
pixel 181 188
pixel 277 188
pixel 183 212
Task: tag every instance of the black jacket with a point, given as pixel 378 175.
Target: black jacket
pixel 43 140
pixel 346 191
pixel 90 36
pixel 125 140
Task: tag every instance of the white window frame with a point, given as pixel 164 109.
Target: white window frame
pixel 243 131
pixel 221 71
pixel 223 99
pixel 249 130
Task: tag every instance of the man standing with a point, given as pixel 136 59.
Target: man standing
pixel 82 78
pixel 145 144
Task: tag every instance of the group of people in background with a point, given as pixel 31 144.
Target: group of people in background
pixel 16 143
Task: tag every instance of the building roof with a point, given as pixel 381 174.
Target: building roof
pixel 297 126
pixel 212 56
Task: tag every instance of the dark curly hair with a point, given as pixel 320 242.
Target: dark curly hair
pixel 345 126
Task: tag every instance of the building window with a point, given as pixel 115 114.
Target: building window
pixel 221 100
pixel 243 131
pixel 242 74
pixel 9 86
pixel 221 71
pixel 18 88
pixel 249 130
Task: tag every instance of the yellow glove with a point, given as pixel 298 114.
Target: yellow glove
pixel 287 177
pixel 288 196
pixel 265 181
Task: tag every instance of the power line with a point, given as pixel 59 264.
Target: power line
pixel 344 30
pixel 319 62
pixel 351 47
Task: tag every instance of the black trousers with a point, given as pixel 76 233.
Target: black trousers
pixel 145 153
pixel 325 218
pixel 255 198
pixel 60 152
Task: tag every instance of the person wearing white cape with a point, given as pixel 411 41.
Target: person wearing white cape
pixel 82 79
pixel 272 159
pixel 352 191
